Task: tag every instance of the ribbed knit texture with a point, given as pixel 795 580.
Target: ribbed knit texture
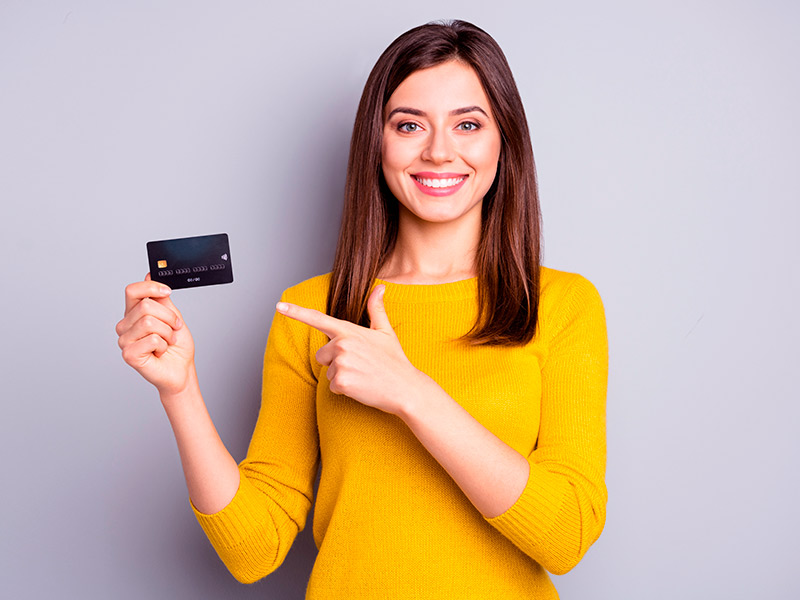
pixel 389 521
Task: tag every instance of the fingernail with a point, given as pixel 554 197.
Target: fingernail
pixel 165 290
pixel 282 307
pixel 178 323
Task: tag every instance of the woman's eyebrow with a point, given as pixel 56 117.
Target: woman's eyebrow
pixel 404 109
pixel 419 113
pixel 468 109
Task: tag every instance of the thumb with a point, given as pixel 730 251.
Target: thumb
pixel 378 319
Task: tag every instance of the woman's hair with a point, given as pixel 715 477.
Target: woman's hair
pixel 508 255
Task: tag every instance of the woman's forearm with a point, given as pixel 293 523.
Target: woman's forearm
pixel 212 475
pixel 491 473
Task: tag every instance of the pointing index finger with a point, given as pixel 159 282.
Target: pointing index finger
pixel 330 326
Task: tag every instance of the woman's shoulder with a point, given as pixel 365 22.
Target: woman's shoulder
pixel 311 293
pixel 564 292
pixel 572 321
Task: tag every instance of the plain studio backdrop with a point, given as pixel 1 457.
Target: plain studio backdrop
pixel 666 140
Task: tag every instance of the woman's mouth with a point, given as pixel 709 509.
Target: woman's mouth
pixel 439 184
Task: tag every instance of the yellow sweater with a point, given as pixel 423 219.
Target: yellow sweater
pixel 389 521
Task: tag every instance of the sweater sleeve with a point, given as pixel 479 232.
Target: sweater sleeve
pixel 562 509
pixel 254 532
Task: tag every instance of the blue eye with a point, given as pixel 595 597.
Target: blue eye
pixel 408 127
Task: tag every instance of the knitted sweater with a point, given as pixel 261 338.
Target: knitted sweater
pixel 389 521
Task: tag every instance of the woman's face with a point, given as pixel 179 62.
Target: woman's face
pixel 441 144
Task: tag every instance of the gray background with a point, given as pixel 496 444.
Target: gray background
pixel 666 137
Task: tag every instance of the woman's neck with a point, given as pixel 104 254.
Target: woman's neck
pixel 430 253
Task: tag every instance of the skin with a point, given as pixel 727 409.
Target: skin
pixel 437 238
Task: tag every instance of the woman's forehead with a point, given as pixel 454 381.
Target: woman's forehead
pixel 444 88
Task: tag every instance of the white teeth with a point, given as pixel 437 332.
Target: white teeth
pixel 440 183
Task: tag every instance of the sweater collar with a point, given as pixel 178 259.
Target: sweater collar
pixel 408 292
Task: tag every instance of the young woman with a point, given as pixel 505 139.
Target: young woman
pixel 450 387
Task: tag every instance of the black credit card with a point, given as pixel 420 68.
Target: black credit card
pixel 191 262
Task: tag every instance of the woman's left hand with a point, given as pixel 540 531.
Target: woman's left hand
pixel 366 364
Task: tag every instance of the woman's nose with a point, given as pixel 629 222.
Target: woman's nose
pixel 439 148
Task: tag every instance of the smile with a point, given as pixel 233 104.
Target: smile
pixel 442 185
pixel 439 183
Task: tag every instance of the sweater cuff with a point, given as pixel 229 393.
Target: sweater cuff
pixel 530 519
pixel 236 522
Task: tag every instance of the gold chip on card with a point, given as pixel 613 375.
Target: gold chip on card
pixel 162 264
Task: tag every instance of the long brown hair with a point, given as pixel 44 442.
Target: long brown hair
pixel 508 255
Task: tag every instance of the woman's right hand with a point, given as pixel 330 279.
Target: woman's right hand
pixel 154 339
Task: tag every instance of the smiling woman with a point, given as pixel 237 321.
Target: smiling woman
pixel 451 387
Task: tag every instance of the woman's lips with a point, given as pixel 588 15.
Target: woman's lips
pixel 439 184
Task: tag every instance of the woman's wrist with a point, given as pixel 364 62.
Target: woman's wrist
pixel 416 395
pixel 181 395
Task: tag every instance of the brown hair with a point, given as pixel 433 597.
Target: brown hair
pixel 508 256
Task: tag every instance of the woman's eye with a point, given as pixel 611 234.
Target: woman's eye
pixel 468 126
pixel 408 127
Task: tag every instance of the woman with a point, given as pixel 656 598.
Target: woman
pixel 452 389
